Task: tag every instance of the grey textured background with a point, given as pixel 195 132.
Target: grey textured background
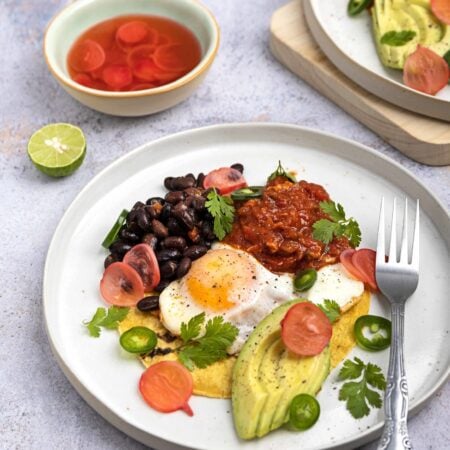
pixel 38 407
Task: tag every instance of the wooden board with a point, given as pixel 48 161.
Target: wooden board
pixel 421 138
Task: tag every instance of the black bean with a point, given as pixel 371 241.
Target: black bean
pixel 129 236
pixel 119 247
pixel 168 183
pixel 109 260
pixel 165 212
pixel 167 254
pixel 143 220
pixel 147 304
pixel 200 179
pixel 183 267
pixel 150 239
pixel 207 230
pixel 152 212
pixel 153 200
pixel 184 215
pixel 196 202
pixel 195 251
pixel 133 227
pixel 131 217
pixel 195 191
pixel 162 285
pixel 159 229
pixel 174 227
pixel 168 269
pixel 175 242
pixel 238 166
pixel 175 197
pixel 180 183
pixel 190 175
pixel 137 205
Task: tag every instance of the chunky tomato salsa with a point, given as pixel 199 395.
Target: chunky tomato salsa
pixel 277 228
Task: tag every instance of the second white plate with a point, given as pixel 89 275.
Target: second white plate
pixel 348 43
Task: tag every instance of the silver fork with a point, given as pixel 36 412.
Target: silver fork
pixel 397 280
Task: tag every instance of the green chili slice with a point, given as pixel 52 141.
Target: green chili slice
pixel 356 6
pixel 305 280
pixel 303 412
pixel 247 193
pixel 372 333
pixel 447 57
pixel 114 231
pixel 138 340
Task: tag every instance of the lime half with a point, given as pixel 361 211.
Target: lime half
pixel 57 149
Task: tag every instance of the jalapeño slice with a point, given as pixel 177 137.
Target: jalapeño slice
pixel 247 193
pixel 303 412
pixel 305 279
pixel 138 340
pixel 356 6
pixel 372 333
pixel 114 231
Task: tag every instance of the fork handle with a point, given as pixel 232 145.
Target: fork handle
pixel 395 432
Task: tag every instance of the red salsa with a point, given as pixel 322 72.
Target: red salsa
pixel 131 53
pixel 277 228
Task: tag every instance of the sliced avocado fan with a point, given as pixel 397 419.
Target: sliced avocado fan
pixel 266 377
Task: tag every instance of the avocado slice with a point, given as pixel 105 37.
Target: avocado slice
pixel 413 15
pixel 266 377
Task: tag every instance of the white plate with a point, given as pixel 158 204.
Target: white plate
pixel 354 175
pixel 348 43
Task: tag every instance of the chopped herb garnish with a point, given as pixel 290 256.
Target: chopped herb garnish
pixel 397 38
pixel 325 230
pixel 281 172
pixel 331 309
pixel 201 351
pixel 222 210
pixel 357 394
pixel 107 319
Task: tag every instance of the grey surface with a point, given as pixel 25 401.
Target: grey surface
pixel 38 406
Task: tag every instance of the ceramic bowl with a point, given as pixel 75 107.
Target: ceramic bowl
pixel 67 26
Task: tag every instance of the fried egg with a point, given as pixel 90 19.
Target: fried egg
pixel 335 283
pixel 226 282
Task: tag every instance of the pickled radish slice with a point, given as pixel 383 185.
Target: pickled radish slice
pixel 225 180
pixel 144 69
pixel 133 32
pixel 441 9
pixel 86 56
pixel 167 386
pixel 425 71
pixel 142 258
pixel 84 79
pixel 117 76
pixel 171 57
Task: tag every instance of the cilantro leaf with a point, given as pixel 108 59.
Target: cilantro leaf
pixel 331 309
pixel 109 320
pixel 281 172
pixel 222 210
pixel 193 327
pixel 325 230
pixel 357 394
pixel 397 38
pixel 210 347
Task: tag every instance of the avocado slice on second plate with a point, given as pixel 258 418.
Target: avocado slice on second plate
pixel 266 377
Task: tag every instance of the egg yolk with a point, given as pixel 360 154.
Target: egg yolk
pixel 219 280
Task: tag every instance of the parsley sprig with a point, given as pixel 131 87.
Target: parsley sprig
pixel 201 351
pixel 325 230
pixel 222 210
pixel 281 172
pixel 107 319
pixel 331 309
pixel 357 394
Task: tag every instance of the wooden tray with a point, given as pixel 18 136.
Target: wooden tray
pixel 421 138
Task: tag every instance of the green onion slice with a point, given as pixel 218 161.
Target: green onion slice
pixel 114 231
pixel 247 193
pixel 372 333
pixel 303 412
pixel 138 340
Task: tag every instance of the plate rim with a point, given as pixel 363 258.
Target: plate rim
pixel 383 87
pixel 121 422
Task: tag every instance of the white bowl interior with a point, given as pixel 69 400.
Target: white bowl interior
pixel 82 14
